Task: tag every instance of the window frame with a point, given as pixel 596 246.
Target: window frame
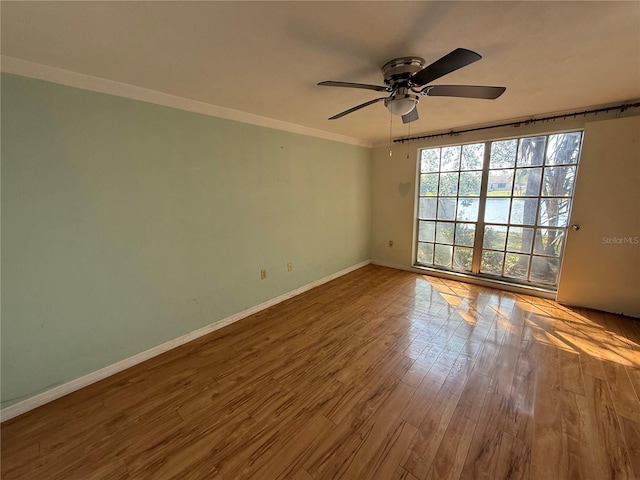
pixel 481 223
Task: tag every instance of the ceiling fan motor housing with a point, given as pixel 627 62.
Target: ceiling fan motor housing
pixel 399 70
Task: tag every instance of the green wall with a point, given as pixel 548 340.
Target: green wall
pixel 127 224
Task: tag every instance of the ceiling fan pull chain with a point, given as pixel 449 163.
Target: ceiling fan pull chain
pixel 390 133
pixel 408 136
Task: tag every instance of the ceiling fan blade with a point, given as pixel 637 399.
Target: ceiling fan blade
pixel 357 107
pixel 377 88
pixel 465 91
pixel 412 116
pixel 460 57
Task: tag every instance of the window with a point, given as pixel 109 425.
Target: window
pixel 498 208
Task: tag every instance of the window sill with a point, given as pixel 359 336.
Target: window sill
pixel 549 293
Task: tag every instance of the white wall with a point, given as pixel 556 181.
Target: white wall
pixel 601 267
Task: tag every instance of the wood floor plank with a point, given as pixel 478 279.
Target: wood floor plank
pixel 401 474
pixel 513 461
pixel 608 449
pixel 634 377
pixel 570 371
pixel 295 450
pixel 301 475
pixel 390 436
pixel 432 429
pixel 547 458
pixel 387 443
pixel 623 395
pixel 336 451
pixel 452 452
pixel 380 374
pixel 391 451
pixel 484 449
pixel 631 435
pixel 575 435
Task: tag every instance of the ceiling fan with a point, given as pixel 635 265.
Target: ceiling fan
pixel 407 78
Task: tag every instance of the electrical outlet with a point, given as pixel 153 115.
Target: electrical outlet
pixel 391 243
pixel 263 274
pixel 289 267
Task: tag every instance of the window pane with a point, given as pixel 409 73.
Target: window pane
pixel 500 183
pixel 468 209
pixel 497 210
pixel 563 148
pixel 531 151
pixel 494 237
pixel 428 184
pixel 503 154
pixel 426 231
pixel 430 161
pixel 516 266
pixel 465 234
pixel 462 257
pixel 427 208
pixel 448 184
pixel 425 253
pixel 548 241
pixel 444 232
pixel 472 157
pixel 442 255
pixel 492 262
pixel 520 239
pixel 446 208
pixel 524 210
pixel 558 181
pixel 450 159
pixel 527 182
pixel 544 270
pixel 470 184
pixel 554 212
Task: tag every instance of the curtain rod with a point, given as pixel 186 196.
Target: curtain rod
pixel 531 121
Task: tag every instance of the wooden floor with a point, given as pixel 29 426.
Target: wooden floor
pixel 380 374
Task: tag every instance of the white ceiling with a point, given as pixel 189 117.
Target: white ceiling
pixel 265 58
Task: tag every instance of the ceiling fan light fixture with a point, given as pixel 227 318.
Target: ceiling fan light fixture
pixel 401 103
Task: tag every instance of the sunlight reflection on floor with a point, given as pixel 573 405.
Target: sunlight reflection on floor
pixel 550 323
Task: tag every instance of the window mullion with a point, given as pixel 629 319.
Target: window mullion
pixel 477 244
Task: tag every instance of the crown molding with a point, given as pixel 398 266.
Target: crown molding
pixel 39 71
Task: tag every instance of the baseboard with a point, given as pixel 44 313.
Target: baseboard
pixel 397 266
pixel 66 388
